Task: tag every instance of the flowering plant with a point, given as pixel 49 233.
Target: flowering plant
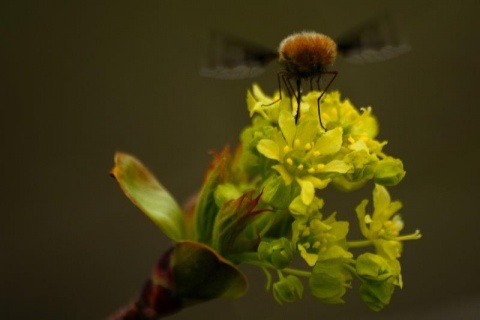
pixel 263 205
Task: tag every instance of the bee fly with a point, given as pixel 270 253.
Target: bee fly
pixel 304 56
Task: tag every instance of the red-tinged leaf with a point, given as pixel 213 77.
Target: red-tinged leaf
pixel 143 189
pixel 232 219
pixel 187 274
pixel 200 273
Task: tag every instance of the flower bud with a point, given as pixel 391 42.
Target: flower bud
pixel 376 294
pixel 277 252
pixel 329 280
pixel 288 289
pixel 389 172
pixel 373 267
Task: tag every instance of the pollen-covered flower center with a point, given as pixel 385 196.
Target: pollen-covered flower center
pixel 299 161
pixel 391 228
pixel 316 236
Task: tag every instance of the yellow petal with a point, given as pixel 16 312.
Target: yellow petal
pixel 269 149
pixel 310 258
pixel 308 191
pixel 284 173
pixel 287 125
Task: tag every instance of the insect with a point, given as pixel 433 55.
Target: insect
pixel 305 56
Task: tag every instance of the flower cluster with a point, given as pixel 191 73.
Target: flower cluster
pixel 263 205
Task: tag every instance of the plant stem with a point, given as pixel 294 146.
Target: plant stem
pixel 297 272
pixel 359 243
pixel 252 258
pixel 269 278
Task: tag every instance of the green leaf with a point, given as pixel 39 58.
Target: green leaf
pixel 206 209
pixel 142 188
pixel 225 192
pixel 232 219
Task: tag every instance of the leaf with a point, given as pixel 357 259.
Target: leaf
pixel 200 273
pixel 232 219
pixel 206 209
pixel 143 189
pixel 187 274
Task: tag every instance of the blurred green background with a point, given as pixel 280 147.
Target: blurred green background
pixel 84 79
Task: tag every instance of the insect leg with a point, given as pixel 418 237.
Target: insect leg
pixel 288 85
pixel 299 97
pixel 280 75
pixel 334 75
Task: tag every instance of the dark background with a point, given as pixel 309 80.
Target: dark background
pixel 83 80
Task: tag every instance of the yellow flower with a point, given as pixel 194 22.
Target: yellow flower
pixel 304 153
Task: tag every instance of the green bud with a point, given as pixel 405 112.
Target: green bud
pixel 302 211
pixel 278 252
pixel 379 277
pixel 377 294
pixel 276 193
pixel 373 267
pixel 288 289
pixel 329 281
pixel 389 172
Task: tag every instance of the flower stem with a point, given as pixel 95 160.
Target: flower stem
pixel 266 228
pixel 269 278
pixel 252 258
pixel 359 243
pixel 296 272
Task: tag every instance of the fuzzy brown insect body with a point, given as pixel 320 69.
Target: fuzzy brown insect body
pixel 307 54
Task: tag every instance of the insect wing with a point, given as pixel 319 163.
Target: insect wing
pixel 230 57
pixel 374 41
